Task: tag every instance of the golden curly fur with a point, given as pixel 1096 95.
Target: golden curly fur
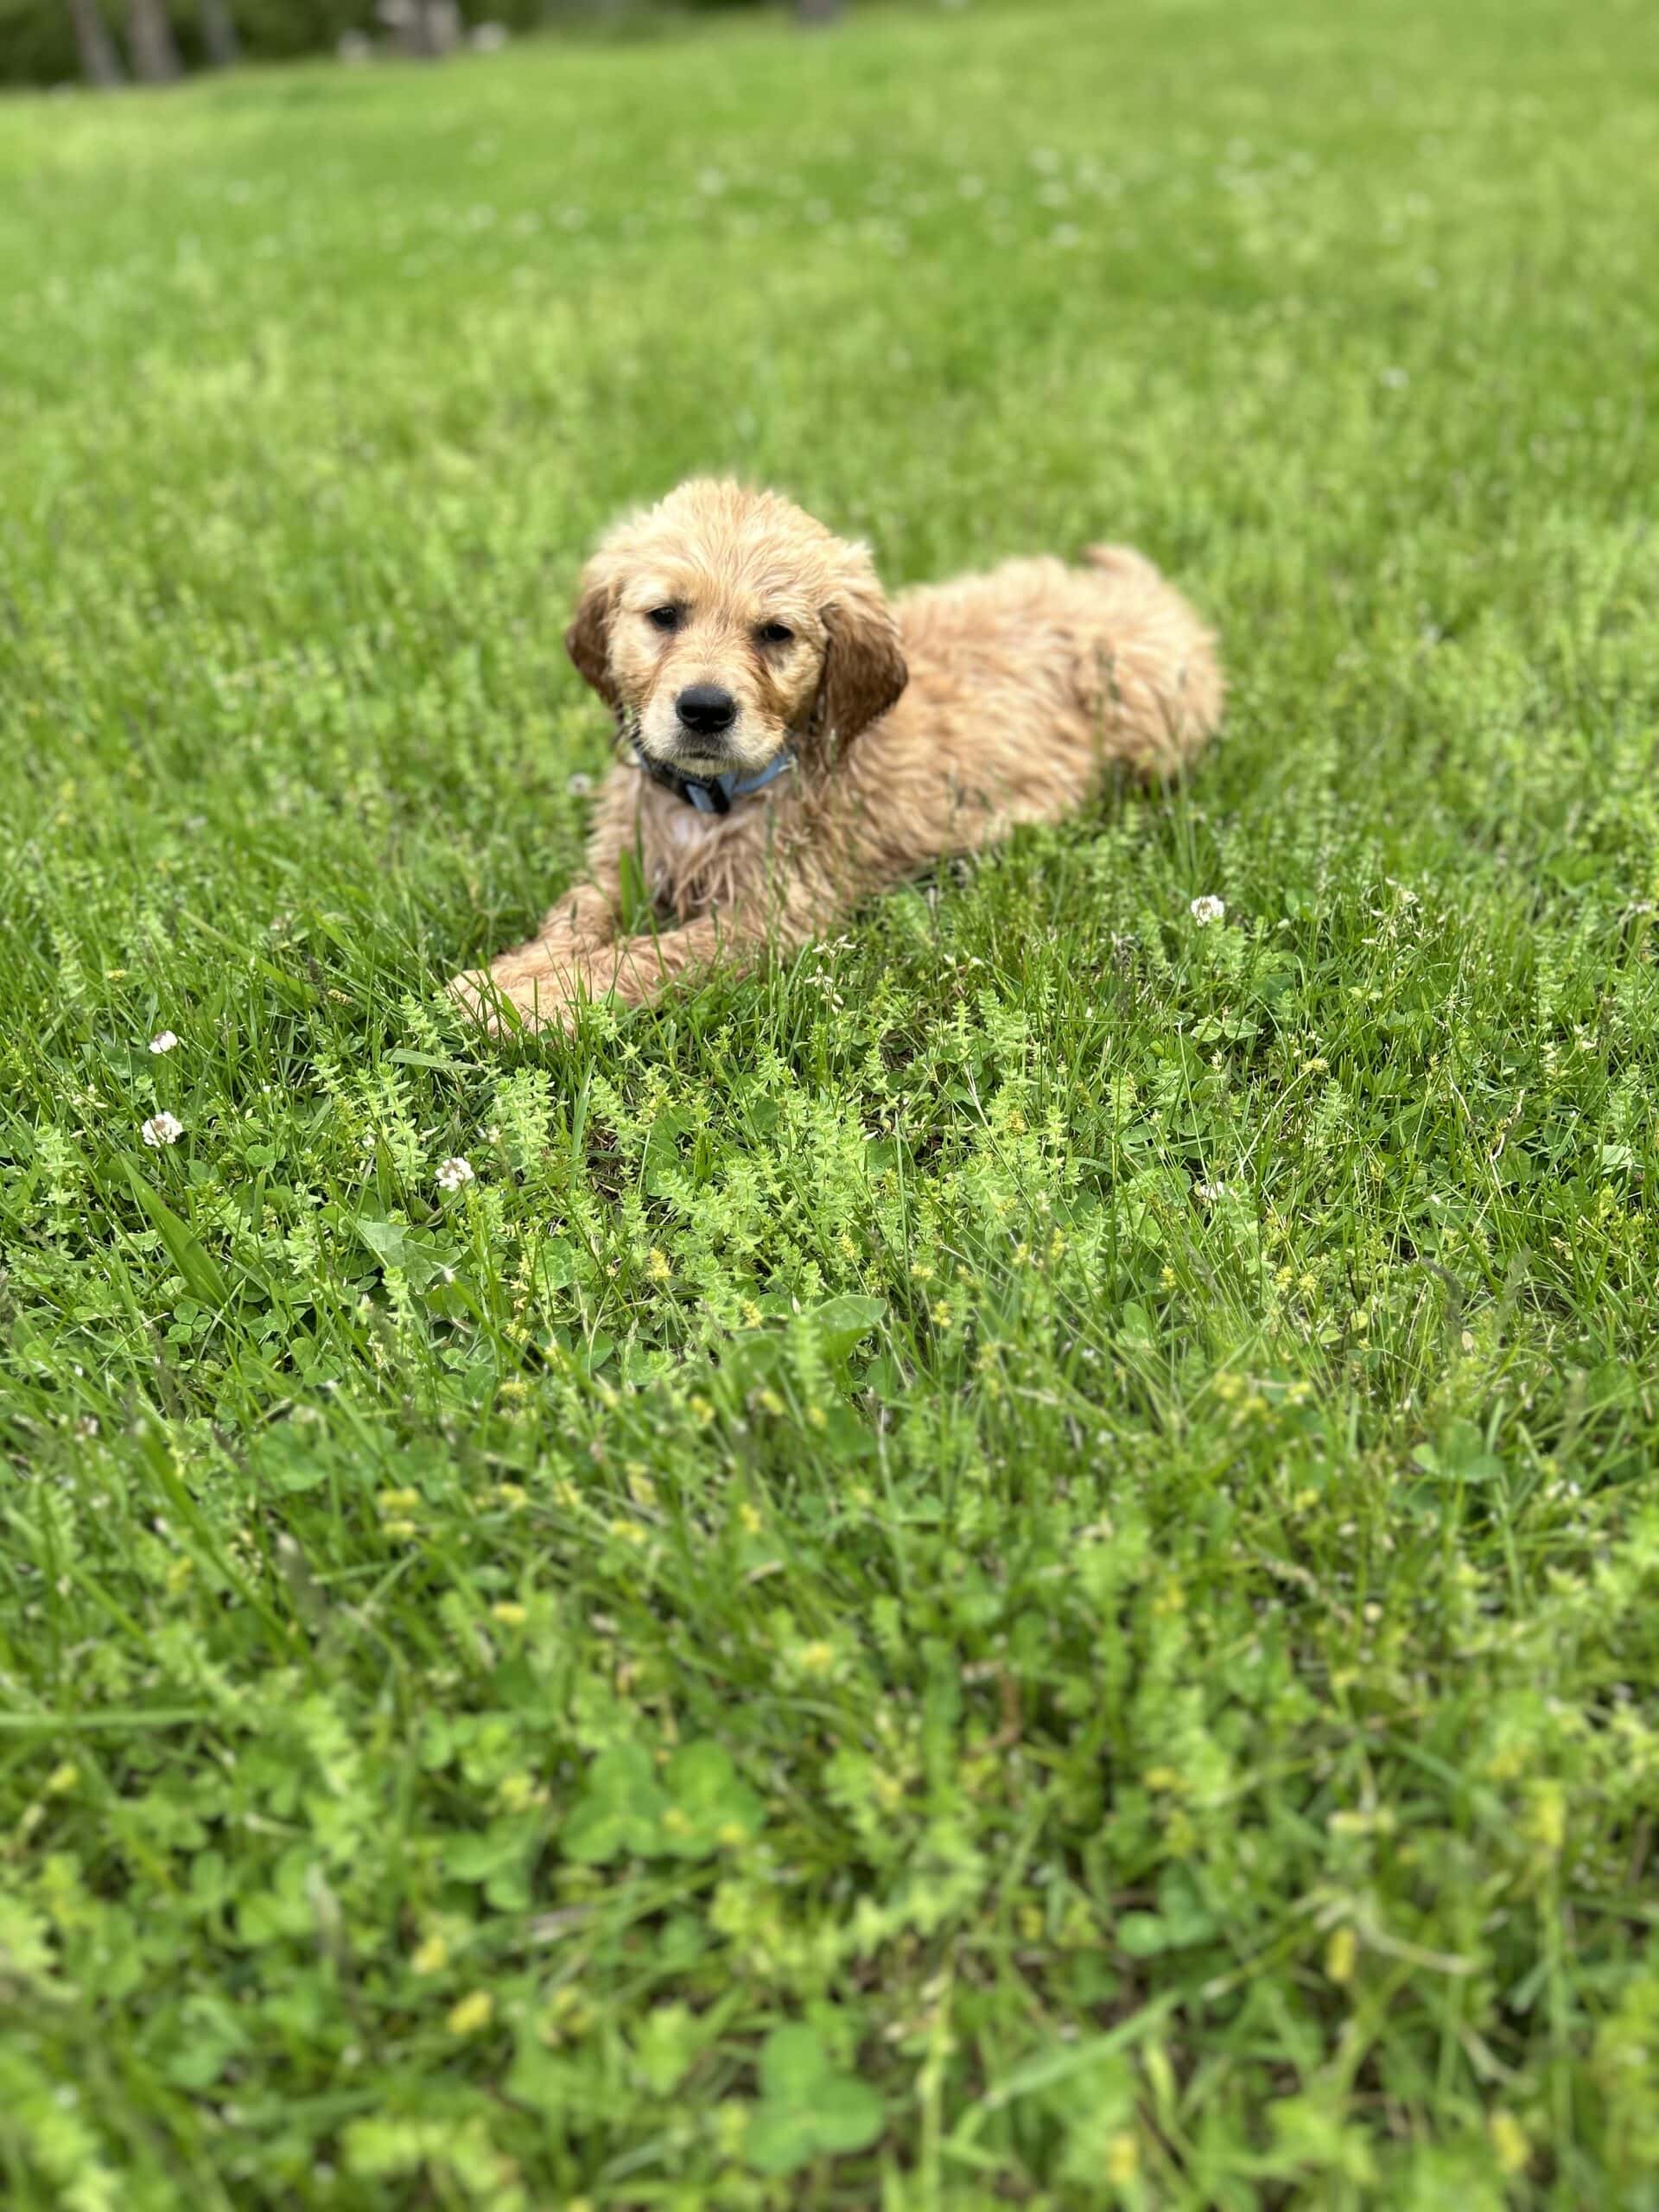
pixel 920 729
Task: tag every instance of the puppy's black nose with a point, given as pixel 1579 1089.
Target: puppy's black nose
pixel 707 710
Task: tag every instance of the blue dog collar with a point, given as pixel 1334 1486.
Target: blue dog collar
pixel 712 794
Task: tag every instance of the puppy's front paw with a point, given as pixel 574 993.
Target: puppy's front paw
pixel 476 995
pixel 504 1001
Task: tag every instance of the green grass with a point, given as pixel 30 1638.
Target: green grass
pixel 1017 1565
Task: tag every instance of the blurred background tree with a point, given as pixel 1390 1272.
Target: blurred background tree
pixel 423 30
pixel 149 42
pixel 53 41
pixel 100 64
pixel 218 34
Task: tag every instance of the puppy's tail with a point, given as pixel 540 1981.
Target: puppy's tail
pixel 1153 679
pixel 1121 560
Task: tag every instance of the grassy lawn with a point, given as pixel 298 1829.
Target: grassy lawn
pixel 1018 1564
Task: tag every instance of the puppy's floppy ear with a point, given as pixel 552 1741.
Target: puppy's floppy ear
pixel 864 669
pixel 588 640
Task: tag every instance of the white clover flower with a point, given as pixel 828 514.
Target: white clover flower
pixel 1207 1193
pixel 579 786
pixel 160 1130
pixel 164 1043
pixel 1207 910
pixel 455 1173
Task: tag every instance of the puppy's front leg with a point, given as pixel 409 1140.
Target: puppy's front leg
pixel 645 966
pixel 639 970
pixel 529 976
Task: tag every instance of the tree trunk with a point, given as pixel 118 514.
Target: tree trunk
pixel 816 11
pixel 100 64
pixel 150 37
pixel 218 34
pixel 425 29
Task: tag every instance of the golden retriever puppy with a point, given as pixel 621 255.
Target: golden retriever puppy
pixel 795 742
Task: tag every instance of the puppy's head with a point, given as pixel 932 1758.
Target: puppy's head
pixel 725 623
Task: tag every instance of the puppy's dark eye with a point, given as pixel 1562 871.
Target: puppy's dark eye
pixel 775 633
pixel 663 618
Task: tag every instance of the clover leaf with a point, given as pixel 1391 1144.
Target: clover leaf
pixel 699 1806
pixel 669 2039
pixel 840 1324
pixel 620 1808
pixel 1179 1922
pixel 710 1803
pixel 806 2108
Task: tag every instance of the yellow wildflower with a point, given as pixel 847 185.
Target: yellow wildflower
pixel 472 2013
